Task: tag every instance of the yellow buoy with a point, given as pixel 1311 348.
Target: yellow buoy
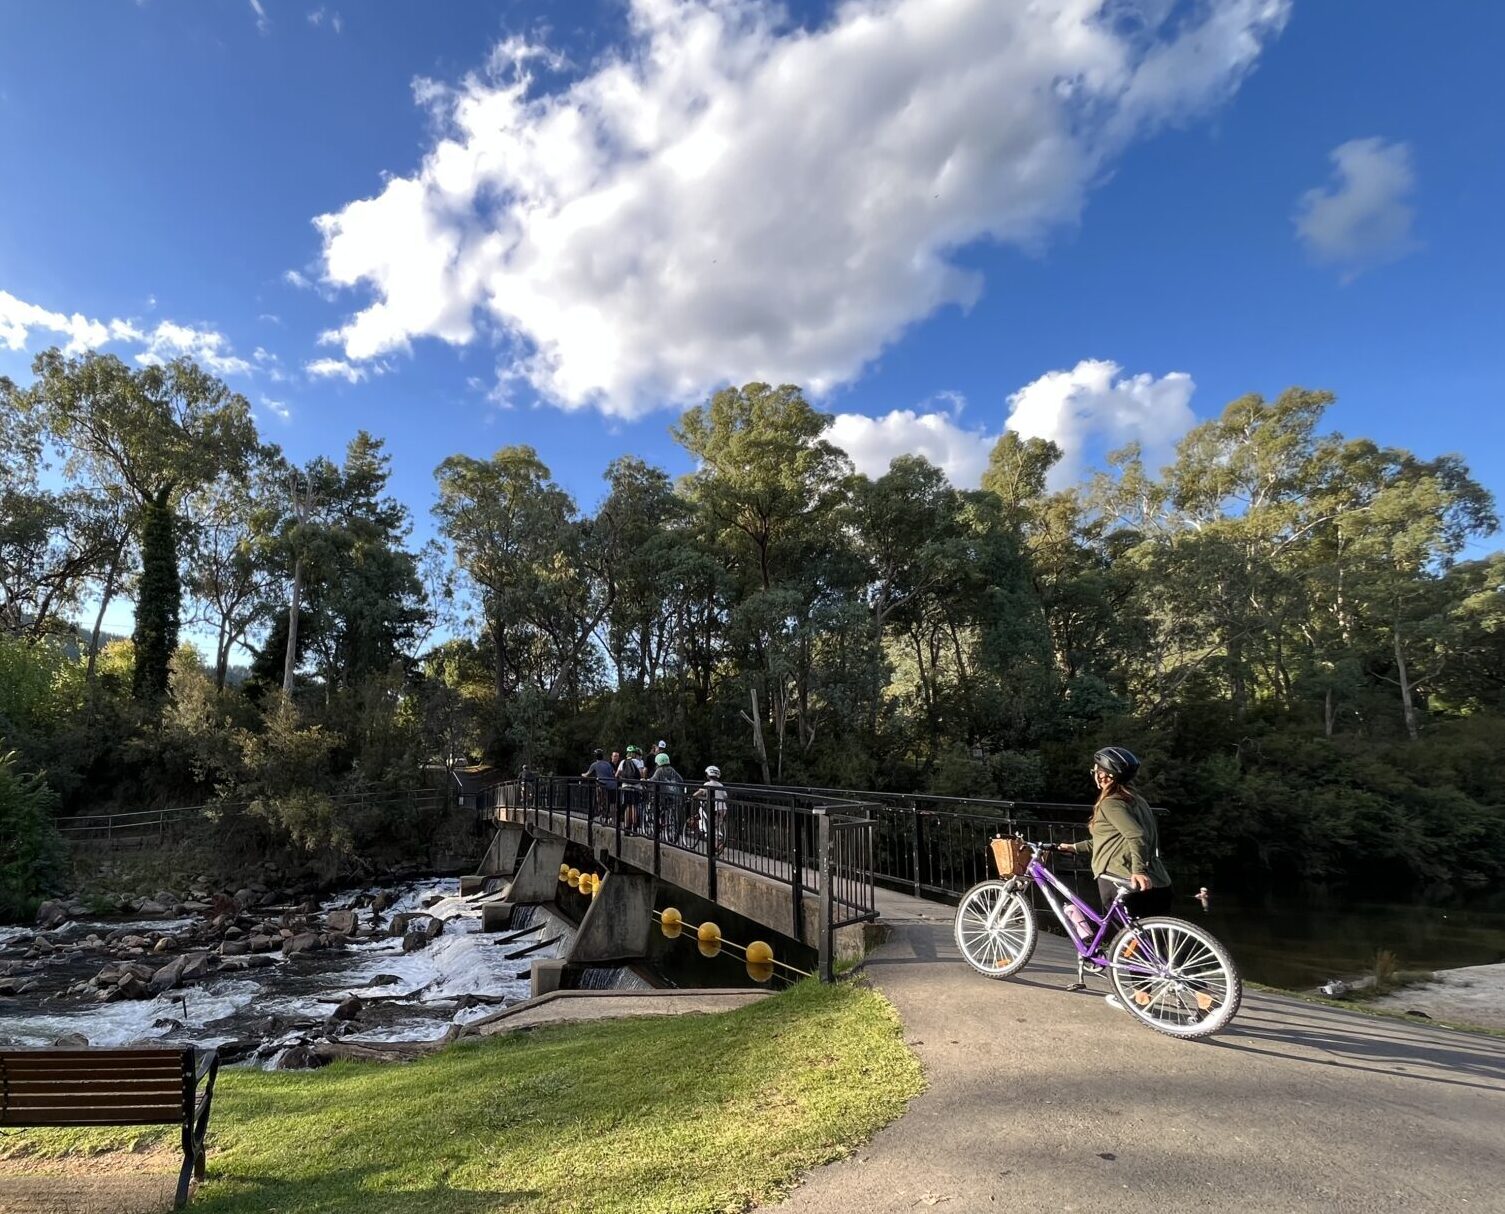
pixel 671 921
pixel 708 935
pixel 760 971
pixel 564 872
pixel 574 878
pixel 760 952
pixel 595 885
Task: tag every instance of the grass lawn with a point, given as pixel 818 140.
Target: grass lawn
pixel 684 1114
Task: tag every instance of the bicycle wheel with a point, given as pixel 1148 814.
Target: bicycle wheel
pixel 996 929
pixel 1175 977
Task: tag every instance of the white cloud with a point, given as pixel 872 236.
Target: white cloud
pixel 1095 405
pixel 277 408
pixel 263 22
pixel 296 278
pixel 320 15
pixel 338 368
pixel 1363 217
pixel 727 198
pixel 160 343
pixel 1089 408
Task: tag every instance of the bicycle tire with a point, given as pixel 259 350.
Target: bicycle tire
pixel 1197 991
pixel 995 928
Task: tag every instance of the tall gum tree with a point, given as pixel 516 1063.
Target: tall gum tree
pixel 152 435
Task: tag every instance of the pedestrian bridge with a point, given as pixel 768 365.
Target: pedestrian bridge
pixel 815 865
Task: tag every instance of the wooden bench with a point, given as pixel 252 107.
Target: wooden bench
pixel 60 1087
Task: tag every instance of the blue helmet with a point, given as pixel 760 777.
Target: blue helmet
pixel 1118 762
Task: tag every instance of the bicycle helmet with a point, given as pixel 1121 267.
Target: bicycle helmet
pixel 1118 762
pixel 661 759
pixel 634 750
pixel 713 772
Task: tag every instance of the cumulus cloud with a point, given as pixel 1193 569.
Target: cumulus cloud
pixel 338 368
pixel 1363 217
pixel 1089 408
pixel 278 409
pixel 159 343
pixel 728 198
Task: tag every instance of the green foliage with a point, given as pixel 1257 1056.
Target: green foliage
pixel 31 851
pixel 159 598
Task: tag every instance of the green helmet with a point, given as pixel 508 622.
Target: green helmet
pixel 633 750
pixel 662 759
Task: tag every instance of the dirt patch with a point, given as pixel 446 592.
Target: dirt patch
pixel 113 1182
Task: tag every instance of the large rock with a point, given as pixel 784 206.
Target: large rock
pixel 169 976
pixel 71 1041
pixel 349 1008
pixel 342 921
pixel 434 928
pixel 234 948
pixel 51 914
pixel 399 925
pixel 304 942
pixel 150 906
pixel 131 987
pixel 414 941
pixel 380 903
pixel 163 944
pixel 195 966
pixel 263 943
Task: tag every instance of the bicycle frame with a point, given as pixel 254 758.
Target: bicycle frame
pixel 1108 922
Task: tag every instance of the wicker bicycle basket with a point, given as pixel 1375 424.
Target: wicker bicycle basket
pixel 1011 857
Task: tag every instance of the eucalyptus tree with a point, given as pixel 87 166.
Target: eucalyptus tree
pixel 151 435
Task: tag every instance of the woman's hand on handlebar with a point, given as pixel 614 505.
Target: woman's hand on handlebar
pixel 1063 847
pixel 1141 881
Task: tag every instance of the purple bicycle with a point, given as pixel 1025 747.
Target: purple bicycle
pixel 1169 974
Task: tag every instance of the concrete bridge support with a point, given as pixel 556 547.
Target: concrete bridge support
pixel 537 876
pixel 618 922
pixel 500 859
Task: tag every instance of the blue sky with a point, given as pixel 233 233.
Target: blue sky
pixel 920 208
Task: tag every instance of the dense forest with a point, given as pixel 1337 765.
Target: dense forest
pixel 1280 622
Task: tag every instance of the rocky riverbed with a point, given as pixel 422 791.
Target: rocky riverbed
pixel 267 981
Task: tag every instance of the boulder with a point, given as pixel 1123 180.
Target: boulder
pixel 196 907
pixel 150 906
pixel 71 1041
pixel 262 943
pixel 246 897
pixel 195 966
pixel 434 928
pixel 380 903
pixel 131 987
pixel 163 898
pixel 234 948
pixel 252 961
pixel 301 943
pixel 51 914
pixel 414 941
pixel 163 944
pixel 169 976
pixel 349 1008
pixel 335 939
pixel 399 925
pixel 384 980
pixel 342 921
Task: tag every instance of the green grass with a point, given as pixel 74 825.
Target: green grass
pixel 674 1114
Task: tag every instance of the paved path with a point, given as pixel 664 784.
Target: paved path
pixel 1040 1099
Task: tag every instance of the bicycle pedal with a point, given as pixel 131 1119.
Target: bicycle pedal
pixel 1077 986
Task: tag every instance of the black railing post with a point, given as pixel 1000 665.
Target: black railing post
pixel 797 870
pixel 618 826
pixel 658 825
pixel 914 843
pixel 709 835
pixel 823 886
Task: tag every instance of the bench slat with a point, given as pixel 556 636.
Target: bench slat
pixel 100 1057
pixel 155 1098
pixel 120 1075
pixel 128 1083
pixel 46 1117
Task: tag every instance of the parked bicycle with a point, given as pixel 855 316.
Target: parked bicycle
pixel 1171 975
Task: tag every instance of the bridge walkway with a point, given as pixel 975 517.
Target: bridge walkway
pixel 1041 1099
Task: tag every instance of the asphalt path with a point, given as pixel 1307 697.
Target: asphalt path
pixel 1042 1099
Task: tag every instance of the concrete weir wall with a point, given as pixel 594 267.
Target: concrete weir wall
pixel 500 859
pixel 537 878
pixel 618 921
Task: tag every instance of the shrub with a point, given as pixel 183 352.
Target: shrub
pixel 31 850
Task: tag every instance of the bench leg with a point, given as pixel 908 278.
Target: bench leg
pixel 184 1177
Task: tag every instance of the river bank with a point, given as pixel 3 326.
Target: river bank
pixel 1471 994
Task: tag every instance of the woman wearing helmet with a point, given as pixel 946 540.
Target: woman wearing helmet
pixel 1124 840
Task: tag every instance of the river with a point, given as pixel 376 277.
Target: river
pixel 1299 941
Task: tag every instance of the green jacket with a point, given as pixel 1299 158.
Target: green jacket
pixel 1125 840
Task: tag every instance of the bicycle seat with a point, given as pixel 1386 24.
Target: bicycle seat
pixel 1118 882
